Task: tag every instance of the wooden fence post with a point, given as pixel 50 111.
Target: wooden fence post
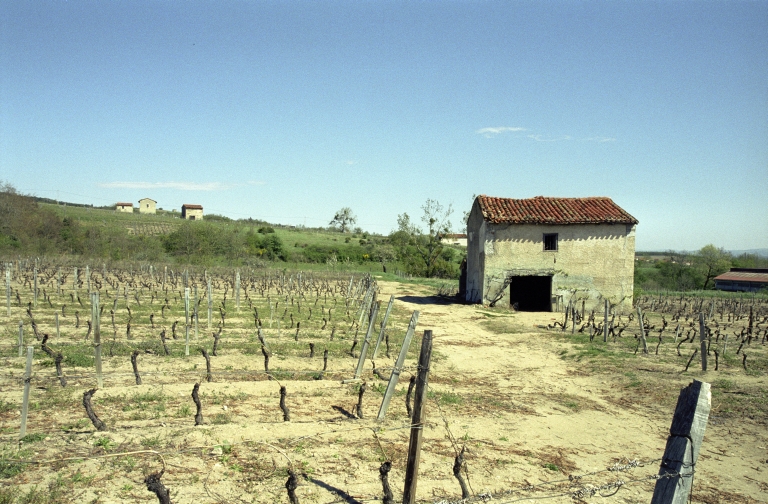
pixel 25 400
pixel 210 303
pixel 703 339
pixel 642 329
pixel 237 291
pixel 367 340
pixel 417 422
pixel 96 326
pixel 394 377
pixel 186 321
pixel 683 445
pixel 8 290
pixel 194 311
pixel 605 323
pixel 34 293
pixel 383 327
pixel 21 338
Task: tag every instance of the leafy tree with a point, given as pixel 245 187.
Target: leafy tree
pixel 343 219
pixel 712 261
pixel 422 252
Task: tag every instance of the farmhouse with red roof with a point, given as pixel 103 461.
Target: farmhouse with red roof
pixel 124 207
pixel 542 252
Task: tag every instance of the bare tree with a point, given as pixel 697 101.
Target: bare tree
pixel 343 219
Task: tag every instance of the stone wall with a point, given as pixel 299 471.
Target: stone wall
pixel 592 261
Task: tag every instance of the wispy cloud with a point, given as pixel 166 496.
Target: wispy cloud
pixel 600 139
pixel 492 132
pixel 179 186
pixel 542 138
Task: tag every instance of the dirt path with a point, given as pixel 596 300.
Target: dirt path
pixel 561 415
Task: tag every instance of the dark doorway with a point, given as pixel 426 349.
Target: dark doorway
pixel 531 293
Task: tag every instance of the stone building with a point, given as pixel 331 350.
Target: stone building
pixel 539 253
pixel 124 207
pixel 192 212
pixel 148 206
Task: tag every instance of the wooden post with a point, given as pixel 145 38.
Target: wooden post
pixel 573 318
pixel 367 340
pixel 417 422
pixel 25 400
pixel 34 292
pixel 237 291
pixel 642 329
pixel 58 332
pixel 58 280
pixel 186 321
pixel 383 327
pixel 21 338
pixel 683 445
pixel 395 376
pixel 74 280
pixel 88 278
pixel 703 340
pixel 8 291
pixel 605 323
pixel 96 326
pixel 194 312
pixel 210 303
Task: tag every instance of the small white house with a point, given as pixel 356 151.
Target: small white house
pixel 147 206
pixel 192 212
pixel 457 239
pixel 124 207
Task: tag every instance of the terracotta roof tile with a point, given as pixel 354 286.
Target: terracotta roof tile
pixel 192 207
pixel 743 276
pixel 545 210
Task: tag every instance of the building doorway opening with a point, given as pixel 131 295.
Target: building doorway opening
pixel 531 293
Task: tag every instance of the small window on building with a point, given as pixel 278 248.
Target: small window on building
pixel 550 241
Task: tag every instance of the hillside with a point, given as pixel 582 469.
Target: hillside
pixel 31 226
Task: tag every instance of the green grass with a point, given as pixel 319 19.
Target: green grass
pixel 445 398
pixel 33 438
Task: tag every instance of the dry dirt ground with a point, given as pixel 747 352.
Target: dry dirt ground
pixel 538 421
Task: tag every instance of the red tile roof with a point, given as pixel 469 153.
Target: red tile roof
pixel 192 207
pixel 123 204
pixel 544 210
pixel 743 276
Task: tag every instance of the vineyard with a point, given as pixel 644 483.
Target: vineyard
pixel 239 386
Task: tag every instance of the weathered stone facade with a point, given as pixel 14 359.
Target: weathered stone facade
pixel 558 261
pixel 124 207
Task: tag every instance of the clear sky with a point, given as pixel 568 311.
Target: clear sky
pixel 288 111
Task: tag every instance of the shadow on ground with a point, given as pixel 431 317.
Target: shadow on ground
pixel 341 494
pixel 429 300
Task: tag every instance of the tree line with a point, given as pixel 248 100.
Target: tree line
pixel 685 271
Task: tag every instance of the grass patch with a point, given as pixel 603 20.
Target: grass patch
pixel 445 398
pixel 33 438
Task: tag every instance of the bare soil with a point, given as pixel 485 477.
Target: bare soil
pixel 539 416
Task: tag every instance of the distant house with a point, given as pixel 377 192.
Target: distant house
pixel 541 252
pixel 743 280
pixel 192 212
pixel 455 239
pixel 124 207
pixel 148 206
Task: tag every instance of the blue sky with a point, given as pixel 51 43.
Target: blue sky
pixel 288 111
